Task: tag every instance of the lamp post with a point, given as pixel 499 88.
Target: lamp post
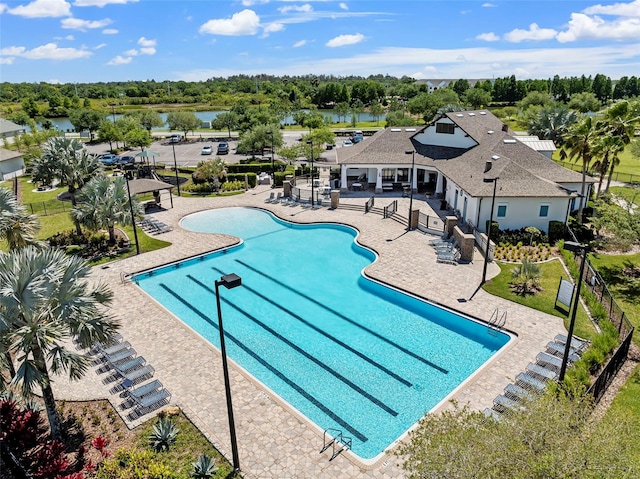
pixel 229 281
pixel 273 170
pixel 582 249
pixel 413 163
pixel 113 112
pixel 310 142
pixel 486 251
pixel 133 217
pixel 175 167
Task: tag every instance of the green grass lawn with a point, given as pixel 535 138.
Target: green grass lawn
pixel 629 194
pixel 551 272
pixel 626 293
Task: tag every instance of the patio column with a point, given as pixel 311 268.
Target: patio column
pixel 378 180
pixel 414 179
pixel 439 183
pixel 344 186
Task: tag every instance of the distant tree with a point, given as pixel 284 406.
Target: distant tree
pixel 461 86
pixel 30 107
pixel 357 107
pixel 477 98
pixel 225 121
pixel 257 139
pixel 536 98
pixel 342 109
pixel 138 138
pixel 110 133
pixel 376 112
pixel 552 123
pixel 397 118
pixel 85 119
pixel 320 136
pixel 19 118
pixel 601 87
pixel 427 104
pixel 584 102
pixel 150 119
pixel 184 121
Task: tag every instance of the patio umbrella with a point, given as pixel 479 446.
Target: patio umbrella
pixel 147 154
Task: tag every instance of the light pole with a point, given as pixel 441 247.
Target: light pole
pixel 273 170
pixel 133 217
pixel 310 142
pixel 413 163
pixel 582 249
pixel 486 251
pixel 175 167
pixel 229 281
pixel 113 112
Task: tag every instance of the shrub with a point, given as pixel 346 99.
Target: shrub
pixel 526 278
pixel 204 467
pixel 556 231
pixel 233 185
pixel 163 435
pixel 128 464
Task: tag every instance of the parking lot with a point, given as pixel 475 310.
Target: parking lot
pixel 188 153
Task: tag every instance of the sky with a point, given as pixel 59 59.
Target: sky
pixel 82 41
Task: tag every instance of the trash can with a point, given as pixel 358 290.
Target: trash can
pixel 443 204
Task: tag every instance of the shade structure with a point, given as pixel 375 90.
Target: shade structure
pixel 147 154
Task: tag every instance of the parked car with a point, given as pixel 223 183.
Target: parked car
pixel 206 150
pixel 109 159
pixel 223 148
pixel 127 160
pixel 175 138
pixel 347 143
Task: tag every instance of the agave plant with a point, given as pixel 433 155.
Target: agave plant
pixel 164 434
pixel 204 467
pixel 526 278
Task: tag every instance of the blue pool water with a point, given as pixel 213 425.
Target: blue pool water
pixel 346 352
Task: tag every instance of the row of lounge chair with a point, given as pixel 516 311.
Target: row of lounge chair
pixel 153 226
pixel 293 201
pixel 446 251
pixel 130 371
pixel 533 381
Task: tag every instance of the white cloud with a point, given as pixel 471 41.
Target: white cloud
pixel 146 42
pixel 119 60
pixel 110 31
pixel 296 8
pixel 245 22
pixel 582 26
pixel 248 3
pixel 131 53
pixel 7 60
pixel 299 43
pixel 68 37
pixel 631 9
pixel 83 25
pixel 98 47
pixel 147 51
pixel 489 5
pixel 272 28
pixel 344 6
pixel 488 37
pixel 3 7
pixel 50 51
pixel 100 3
pixel 342 40
pixel 42 9
pixel 534 33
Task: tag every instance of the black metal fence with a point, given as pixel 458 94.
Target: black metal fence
pixel 369 204
pixel 602 382
pixel 46 208
pixel 432 224
pixel 622 177
pixel 391 209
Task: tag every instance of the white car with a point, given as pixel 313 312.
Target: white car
pixel 206 150
pixel 347 143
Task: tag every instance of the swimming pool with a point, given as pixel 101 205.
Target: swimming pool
pixel 346 352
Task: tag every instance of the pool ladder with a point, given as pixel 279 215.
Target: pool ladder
pixel 497 321
pixel 335 439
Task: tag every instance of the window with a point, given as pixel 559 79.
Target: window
pixel 403 174
pixel 502 211
pixel 445 128
pixel 544 211
pixel 388 174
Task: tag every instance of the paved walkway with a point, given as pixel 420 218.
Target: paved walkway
pixel 274 441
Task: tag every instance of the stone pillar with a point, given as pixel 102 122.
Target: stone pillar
pixel 413 222
pixel 344 186
pixel 287 189
pixel 466 244
pixel 378 180
pixel 335 199
pixel 450 223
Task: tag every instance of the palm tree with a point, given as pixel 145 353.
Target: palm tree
pixel 45 300
pixel 552 123
pixel 579 144
pixel 620 122
pixel 69 161
pixel 103 203
pixel 606 151
pixel 17 227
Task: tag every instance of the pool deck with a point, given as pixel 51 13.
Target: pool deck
pixel 274 441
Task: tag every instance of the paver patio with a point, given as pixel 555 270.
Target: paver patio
pixel 274 440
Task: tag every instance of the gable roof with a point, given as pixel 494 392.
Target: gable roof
pixel 7 126
pixel 523 172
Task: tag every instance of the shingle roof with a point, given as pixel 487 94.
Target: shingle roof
pixel 7 126
pixel 522 170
